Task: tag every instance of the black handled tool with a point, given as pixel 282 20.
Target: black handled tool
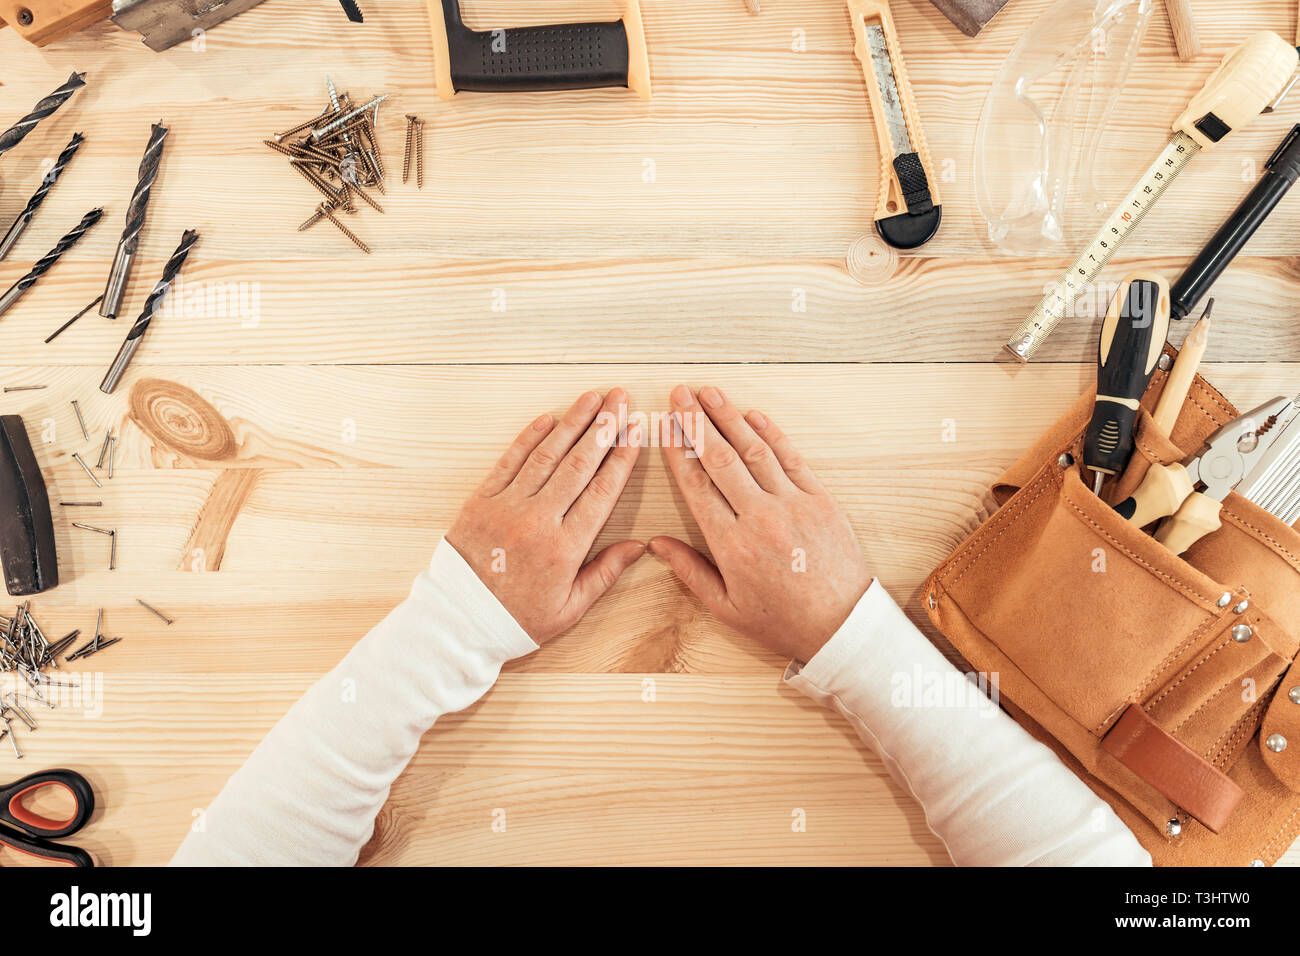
pixel 1132 338
pixel 26 526
pixel 566 56
pixel 28 832
pixel 1280 174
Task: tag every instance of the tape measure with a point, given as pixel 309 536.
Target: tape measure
pixel 1044 319
pixel 1249 80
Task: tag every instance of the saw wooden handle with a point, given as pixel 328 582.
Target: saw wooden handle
pixel 44 21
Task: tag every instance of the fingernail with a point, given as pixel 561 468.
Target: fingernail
pixel 655 547
pixel 711 397
pixel 682 396
pixel 589 402
pixel 757 420
pixel 542 423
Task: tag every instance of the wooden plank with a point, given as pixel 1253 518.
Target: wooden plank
pixel 316 416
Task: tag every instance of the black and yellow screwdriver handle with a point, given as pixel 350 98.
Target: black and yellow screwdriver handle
pixel 1132 338
pixel 1198 516
pixel 1162 492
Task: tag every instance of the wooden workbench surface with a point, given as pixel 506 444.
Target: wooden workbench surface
pixel 288 461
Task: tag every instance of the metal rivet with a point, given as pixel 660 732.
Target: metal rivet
pixel 1174 827
pixel 1294 694
pixel 1225 600
pixel 1241 608
pixel 1066 460
pixel 1256 862
pixel 1275 743
pixel 1241 633
pixel 1165 363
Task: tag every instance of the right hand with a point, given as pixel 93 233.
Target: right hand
pixel 789 570
pixel 527 530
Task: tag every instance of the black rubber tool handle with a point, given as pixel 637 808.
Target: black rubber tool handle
pixel 569 56
pixel 26 526
pixel 1132 338
pixel 43 849
pixel 14 812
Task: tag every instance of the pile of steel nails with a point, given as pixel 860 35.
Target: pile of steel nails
pixel 338 153
pixel 26 651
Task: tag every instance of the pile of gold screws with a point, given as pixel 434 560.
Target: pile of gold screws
pixel 338 154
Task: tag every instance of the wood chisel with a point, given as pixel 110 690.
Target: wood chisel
pixel 908 211
pixel 1251 79
pixel 1132 338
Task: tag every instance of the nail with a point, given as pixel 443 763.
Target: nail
pixel 589 402
pixel 86 469
pixel 682 396
pixel 757 420
pixel 711 397
pixel 542 423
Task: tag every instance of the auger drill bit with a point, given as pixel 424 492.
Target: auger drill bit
pixel 19 288
pixel 25 217
pixel 14 134
pixel 127 245
pixel 151 306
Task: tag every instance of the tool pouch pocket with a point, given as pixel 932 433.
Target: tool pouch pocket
pixel 1150 674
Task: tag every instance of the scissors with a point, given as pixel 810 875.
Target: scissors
pixel 28 832
pixel 1193 491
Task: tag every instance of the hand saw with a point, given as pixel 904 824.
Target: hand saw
pixel 163 23
pixel 908 211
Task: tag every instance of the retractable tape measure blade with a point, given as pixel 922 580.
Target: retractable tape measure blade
pixel 1044 319
pixel 1249 80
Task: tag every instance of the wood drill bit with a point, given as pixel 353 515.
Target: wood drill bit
pixel 19 288
pixel 25 217
pixel 115 290
pixel 151 307
pixel 14 134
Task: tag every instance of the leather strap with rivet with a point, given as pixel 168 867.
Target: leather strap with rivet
pixel 1174 769
pixel 1279 734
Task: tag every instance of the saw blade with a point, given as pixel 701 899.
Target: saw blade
pixel 353 11
pixel 883 65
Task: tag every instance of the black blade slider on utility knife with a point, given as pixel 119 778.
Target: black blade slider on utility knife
pixel 1132 339
pixel 26 526
pixel 353 11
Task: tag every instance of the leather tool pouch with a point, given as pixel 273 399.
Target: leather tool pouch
pixel 1163 681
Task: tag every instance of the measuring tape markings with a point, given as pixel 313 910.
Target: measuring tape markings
pixel 1044 319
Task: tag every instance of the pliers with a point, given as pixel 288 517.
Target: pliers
pixel 1193 491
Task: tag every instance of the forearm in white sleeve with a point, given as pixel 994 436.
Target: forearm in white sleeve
pixel 990 792
pixel 310 792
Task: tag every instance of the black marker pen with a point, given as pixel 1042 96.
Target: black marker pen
pixel 1280 174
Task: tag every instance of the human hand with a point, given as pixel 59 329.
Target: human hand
pixel 788 567
pixel 528 528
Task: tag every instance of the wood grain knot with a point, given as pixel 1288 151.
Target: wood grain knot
pixel 178 419
pixel 871 261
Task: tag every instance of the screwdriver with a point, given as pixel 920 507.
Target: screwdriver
pixel 1132 338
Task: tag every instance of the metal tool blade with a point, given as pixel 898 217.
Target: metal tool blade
pixel 165 23
pixel 883 65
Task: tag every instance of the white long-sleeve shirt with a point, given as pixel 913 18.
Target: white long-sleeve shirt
pixel 309 793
